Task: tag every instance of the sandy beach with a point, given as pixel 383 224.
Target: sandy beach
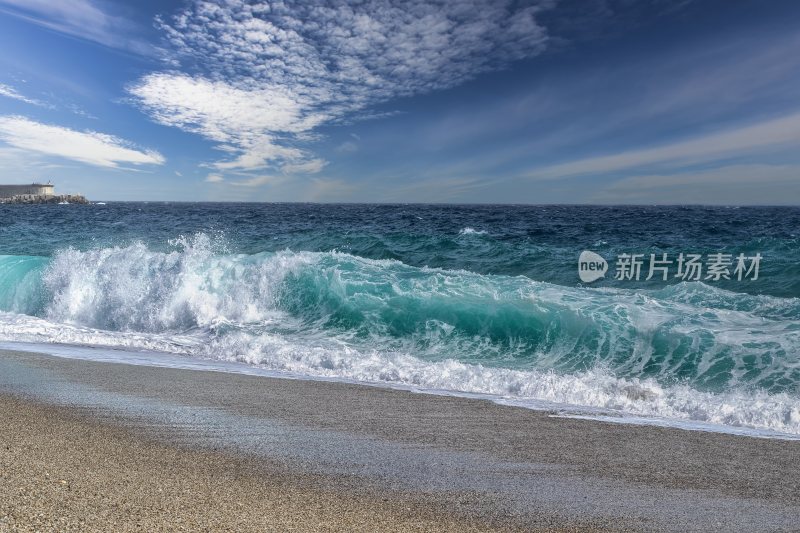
pixel 95 446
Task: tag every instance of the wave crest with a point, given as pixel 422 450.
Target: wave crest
pixel 685 351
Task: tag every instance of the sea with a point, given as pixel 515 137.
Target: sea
pixel 480 301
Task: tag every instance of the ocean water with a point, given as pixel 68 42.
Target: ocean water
pixel 466 299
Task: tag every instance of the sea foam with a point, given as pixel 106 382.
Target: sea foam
pixel 686 352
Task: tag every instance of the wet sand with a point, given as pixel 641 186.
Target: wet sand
pixel 61 472
pixel 102 446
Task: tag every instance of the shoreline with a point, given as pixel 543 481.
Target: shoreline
pixel 456 460
pixel 120 355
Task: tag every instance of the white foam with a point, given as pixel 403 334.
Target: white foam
pixel 560 409
pixel 192 301
pixel 331 359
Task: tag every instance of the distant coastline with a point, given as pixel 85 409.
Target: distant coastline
pixel 57 199
pixel 37 193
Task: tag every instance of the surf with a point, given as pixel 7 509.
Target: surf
pixel 688 351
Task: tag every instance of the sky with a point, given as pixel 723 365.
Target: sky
pixel 458 101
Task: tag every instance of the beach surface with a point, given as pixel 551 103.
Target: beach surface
pixel 91 446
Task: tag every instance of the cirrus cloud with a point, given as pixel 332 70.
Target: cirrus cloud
pixel 88 147
pixel 10 92
pixel 768 136
pixel 84 19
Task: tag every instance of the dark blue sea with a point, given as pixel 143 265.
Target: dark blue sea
pixel 463 299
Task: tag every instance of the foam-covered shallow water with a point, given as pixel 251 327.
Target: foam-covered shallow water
pixel 488 324
pixel 558 410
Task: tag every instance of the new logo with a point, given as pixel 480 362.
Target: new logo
pixel 591 266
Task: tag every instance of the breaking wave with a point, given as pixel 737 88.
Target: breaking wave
pixel 688 351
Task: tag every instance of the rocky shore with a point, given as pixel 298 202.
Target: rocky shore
pixel 36 199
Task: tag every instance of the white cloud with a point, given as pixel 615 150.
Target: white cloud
pixel 309 167
pixel 214 178
pixel 264 75
pixel 88 147
pixel 257 181
pixel 732 184
pixel 763 137
pixel 246 123
pixel 347 147
pixel 84 19
pixel 78 110
pixel 10 92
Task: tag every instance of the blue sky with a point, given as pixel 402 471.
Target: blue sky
pixel 472 101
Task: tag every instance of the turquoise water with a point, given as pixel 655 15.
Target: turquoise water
pixel 470 299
